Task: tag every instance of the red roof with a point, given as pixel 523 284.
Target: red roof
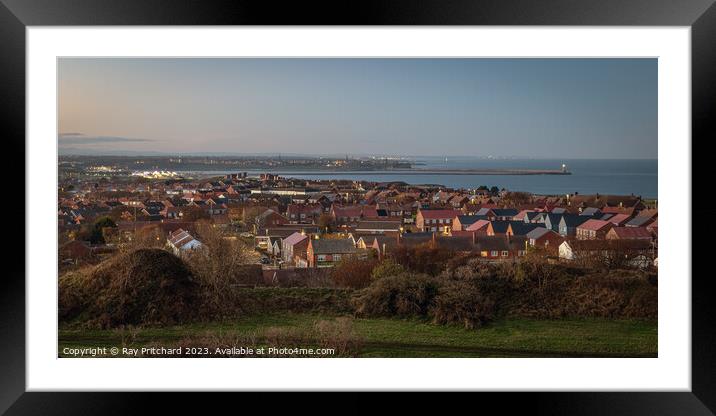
pixel 631 232
pixel 440 213
pixel 619 219
pixel 617 210
pixel 594 225
pixel 461 233
pixel 521 215
pixel 294 239
pixel 348 212
pixel 478 225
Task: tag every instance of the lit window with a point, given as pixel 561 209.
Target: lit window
pixel 493 253
pixel 504 253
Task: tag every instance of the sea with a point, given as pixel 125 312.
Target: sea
pixel 589 176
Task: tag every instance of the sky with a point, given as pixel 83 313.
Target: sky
pixel 532 108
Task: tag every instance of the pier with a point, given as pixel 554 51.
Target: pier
pixel 432 172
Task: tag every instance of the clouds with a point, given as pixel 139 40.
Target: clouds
pixel 81 139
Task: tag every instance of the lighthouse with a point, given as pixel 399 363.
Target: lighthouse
pixel 564 168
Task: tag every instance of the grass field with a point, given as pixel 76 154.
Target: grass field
pixel 415 338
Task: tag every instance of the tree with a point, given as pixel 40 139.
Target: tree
pixel 95 234
pixel 387 267
pixel 326 222
pixel 354 272
pixel 194 214
pixel 121 213
pixel 516 198
pixel 222 262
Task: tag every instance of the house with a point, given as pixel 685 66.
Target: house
pixel 591 212
pixel 504 214
pixel 347 214
pixel 461 222
pixel 610 253
pixel 629 233
pixel 270 218
pixel 569 222
pixel 619 220
pixel 503 247
pixel 303 213
pixel 328 252
pixel 498 228
pixel 521 228
pixel 181 241
pixel 378 227
pixel 479 226
pixel 295 245
pixel 619 210
pixel 649 213
pixel 461 243
pixel 75 250
pixel 274 248
pixel 601 201
pixel 439 220
pixel 544 237
pixel 640 221
pixel 593 229
pixel 534 217
pixel 266 238
pixel 551 221
pixel 415 239
pixel 522 214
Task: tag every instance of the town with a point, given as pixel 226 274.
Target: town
pixel 295 224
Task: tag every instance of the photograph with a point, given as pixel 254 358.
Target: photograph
pixel 357 207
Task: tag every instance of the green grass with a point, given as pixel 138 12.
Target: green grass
pixel 416 338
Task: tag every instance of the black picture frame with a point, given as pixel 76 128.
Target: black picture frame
pixel 699 15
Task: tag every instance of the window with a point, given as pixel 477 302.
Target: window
pixel 321 257
pixel 336 257
pixel 493 253
pixel 505 253
pixel 483 253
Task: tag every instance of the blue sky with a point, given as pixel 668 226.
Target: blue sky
pixel 541 108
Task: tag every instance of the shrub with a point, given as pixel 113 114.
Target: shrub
pixel 461 302
pixel 353 272
pixel 404 295
pixel 422 258
pixel 387 267
pixel 140 287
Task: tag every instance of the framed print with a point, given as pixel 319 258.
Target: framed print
pixel 407 197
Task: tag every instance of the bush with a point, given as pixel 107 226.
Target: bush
pixel 461 302
pixel 353 272
pixel 404 295
pixel 387 267
pixel 141 287
pixel 422 258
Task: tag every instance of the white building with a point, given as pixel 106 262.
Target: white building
pixel 181 241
